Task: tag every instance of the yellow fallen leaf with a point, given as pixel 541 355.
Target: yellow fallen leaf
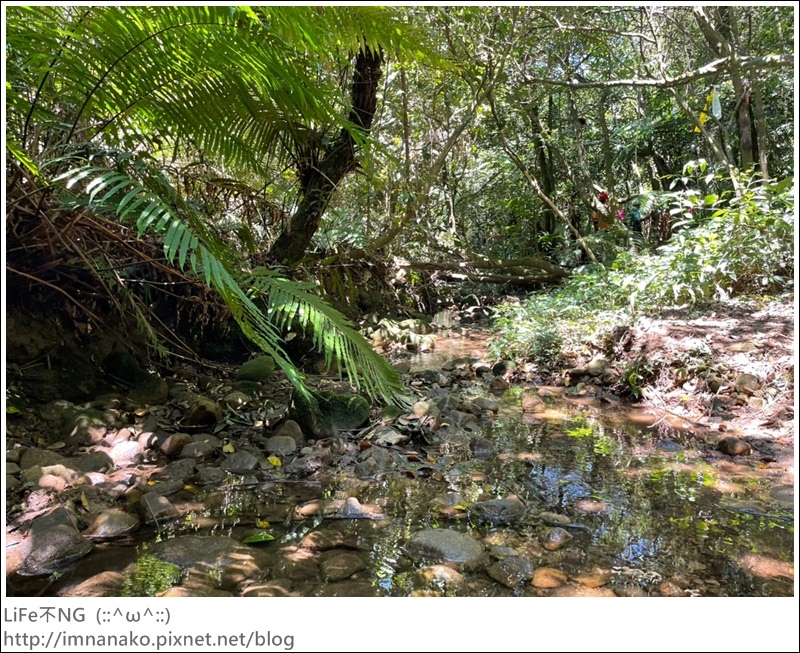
pixel 228 448
pixel 11 409
pixel 431 459
pixel 190 488
pixel 262 523
pixel 151 482
pixel 274 460
pixel 84 500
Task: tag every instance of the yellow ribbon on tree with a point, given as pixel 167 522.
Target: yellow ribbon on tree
pixel 704 112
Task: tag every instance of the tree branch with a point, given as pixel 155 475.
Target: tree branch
pixel 713 68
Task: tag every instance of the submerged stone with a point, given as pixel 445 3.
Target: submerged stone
pixel 445 545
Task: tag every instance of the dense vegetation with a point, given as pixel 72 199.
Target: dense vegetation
pixel 290 158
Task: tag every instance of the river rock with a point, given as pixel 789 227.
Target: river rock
pixel 555 538
pixel 276 587
pixel 210 476
pixel 205 412
pixel 597 366
pixel 42 458
pixel 747 383
pixel 154 391
pixel 224 557
pixel 292 429
pixel 96 461
pixel 486 404
pixel 241 462
pixel 548 578
pixel 258 369
pixel 445 545
pixel 512 571
pixel 573 591
pixel 300 566
pixel 87 428
pixel 52 544
pixel 594 578
pixel 322 540
pixel 283 445
pixel 236 399
pixel 126 454
pixel 481 448
pixel 734 447
pixel 532 404
pixel 112 523
pixel 342 566
pixel 498 385
pixel 174 444
pixel 197 450
pixel 443 578
pixel 333 413
pixel 155 508
pixel 497 511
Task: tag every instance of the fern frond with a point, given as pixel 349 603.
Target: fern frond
pixel 332 334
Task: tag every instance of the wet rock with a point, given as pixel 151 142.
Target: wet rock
pixel 404 366
pixel 734 447
pixel 342 566
pixel 87 428
pixel 155 508
pixel 349 588
pixel 241 462
pixel 179 470
pixel 42 458
pixel 445 545
pixel 257 369
pixel 553 518
pixel 590 506
pixel 366 468
pixel 300 566
pixel 548 578
pixel 96 461
pixel 197 450
pixel 12 468
pixel 13 455
pixel 481 448
pixel 350 508
pixel 276 587
pixel 52 544
pixel 322 540
pixel 668 445
pixel 152 392
pixel 12 483
pixel 484 403
pixel 305 466
pixel 594 578
pixel 461 420
pixel 283 445
pixel 498 385
pixel 497 511
pixel 443 578
pixel 512 571
pixel 783 494
pixel 532 404
pixel 236 400
pixel 213 440
pixel 210 476
pixel 572 591
pixel 106 583
pixel 174 444
pixel 501 368
pixel 221 557
pixel 205 412
pixel 555 538
pixel 60 411
pixel 596 367
pixel 291 429
pixel 126 454
pixel 334 413
pixel 112 523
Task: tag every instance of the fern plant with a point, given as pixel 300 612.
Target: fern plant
pixel 92 91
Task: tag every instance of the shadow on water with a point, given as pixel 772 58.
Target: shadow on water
pixel 645 510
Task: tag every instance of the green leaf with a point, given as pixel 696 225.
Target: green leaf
pixel 257 538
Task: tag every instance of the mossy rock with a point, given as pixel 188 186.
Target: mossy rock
pixel 258 369
pixel 333 413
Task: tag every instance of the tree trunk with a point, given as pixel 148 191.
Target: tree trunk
pixel 320 180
